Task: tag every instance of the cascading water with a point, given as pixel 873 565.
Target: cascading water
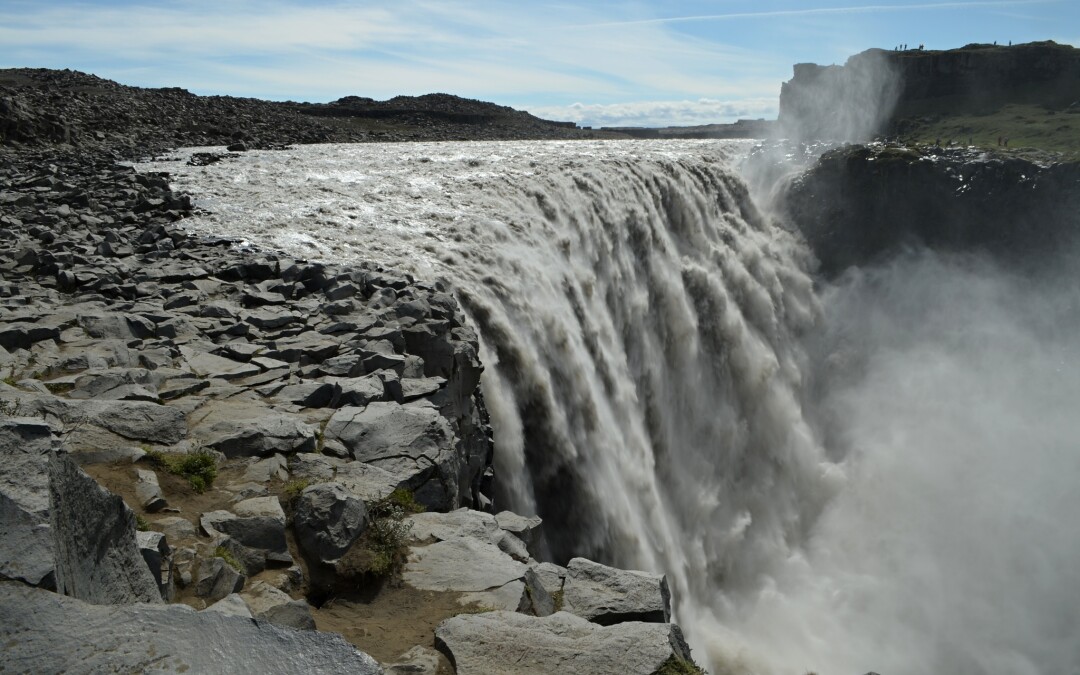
pixel 661 376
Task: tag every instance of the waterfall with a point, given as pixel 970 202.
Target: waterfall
pixel 668 390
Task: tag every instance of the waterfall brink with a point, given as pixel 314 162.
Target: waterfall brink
pixel 664 381
pixel 638 336
pixel 638 318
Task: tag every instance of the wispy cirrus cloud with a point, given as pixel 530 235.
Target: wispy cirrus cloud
pixel 820 11
pixel 606 62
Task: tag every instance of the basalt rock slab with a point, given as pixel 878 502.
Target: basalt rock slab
pixel 414 442
pixel 217 579
pixel 97 555
pixel 607 595
pixel 461 564
pixel 511 643
pixel 26 548
pixel 146 638
pixel 244 429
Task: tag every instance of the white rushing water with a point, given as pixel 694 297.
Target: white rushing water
pixel 877 476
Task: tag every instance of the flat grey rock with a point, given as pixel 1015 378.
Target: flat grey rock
pixel 159 639
pixel 231 605
pixel 245 429
pixel 359 391
pixel 526 528
pixel 265 470
pixel 314 467
pixel 537 601
pixel 212 365
pixel 461 564
pixel 307 394
pixel 607 595
pixel 455 524
pixel 366 481
pixel 22 335
pixel 419 660
pixel 515 644
pixel 174 527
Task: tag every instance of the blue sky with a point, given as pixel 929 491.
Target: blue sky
pixel 599 63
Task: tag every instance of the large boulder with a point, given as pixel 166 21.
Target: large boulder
pixel 415 443
pixel 47 633
pixel 505 642
pixel 97 555
pixel 328 521
pixel 608 595
pixel 26 549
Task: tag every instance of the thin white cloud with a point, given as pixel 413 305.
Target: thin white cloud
pixel 286 50
pixel 813 11
pixel 660 113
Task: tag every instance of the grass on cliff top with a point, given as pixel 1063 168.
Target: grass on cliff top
pixel 1028 128
pixel 199 468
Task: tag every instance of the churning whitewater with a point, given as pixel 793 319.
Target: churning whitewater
pixel 650 341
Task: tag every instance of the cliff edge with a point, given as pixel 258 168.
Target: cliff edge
pixel 976 91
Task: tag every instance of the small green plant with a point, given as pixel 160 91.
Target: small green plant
pixel 557 599
pixel 386 537
pixel 676 665
pixel 320 436
pixel 229 558
pixel 10 381
pixel 389 530
pixel 199 468
pixel 293 489
pixel 405 498
pixel 140 523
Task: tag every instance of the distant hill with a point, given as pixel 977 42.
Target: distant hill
pixel 1029 93
pixel 42 106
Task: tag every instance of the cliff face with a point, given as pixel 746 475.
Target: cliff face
pixel 876 89
pixel 860 203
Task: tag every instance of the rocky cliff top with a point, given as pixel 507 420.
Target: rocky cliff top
pixel 863 203
pixel 990 90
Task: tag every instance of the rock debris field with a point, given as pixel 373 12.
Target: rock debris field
pixel 212 452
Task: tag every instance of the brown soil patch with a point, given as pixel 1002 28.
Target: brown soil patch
pixel 119 478
pixel 397 618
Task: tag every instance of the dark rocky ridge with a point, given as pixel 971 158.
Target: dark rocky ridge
pixel 859 203
pixel 41 106
pixel 976 79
